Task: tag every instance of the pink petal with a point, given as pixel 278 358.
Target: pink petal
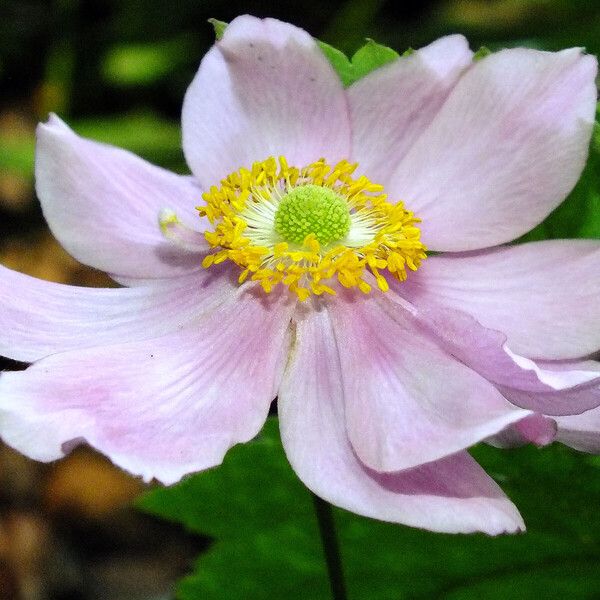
pixel 571 389
pixel 559 374
pixel 581 432
pixel 535 429
pixel 542 295
pixel 102 204
pixel 264 90
pixel 407 402
pixel 159 408
pixel 451 495
pixel 393 105
pixel 549 387
pixel 38 318
pixel 505 149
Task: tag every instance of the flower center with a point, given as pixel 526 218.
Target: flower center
pixel 309 228
pixel 312 209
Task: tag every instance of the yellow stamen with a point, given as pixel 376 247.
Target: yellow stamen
pixel 243 212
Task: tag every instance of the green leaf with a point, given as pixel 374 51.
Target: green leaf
pixel 339 61
pixel 267 546
pixel 369 57
pixel 219 27
pixel 481 53
pixel 235 504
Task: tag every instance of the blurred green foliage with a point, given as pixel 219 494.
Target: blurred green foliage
pixel 143 64
pixel 145 133
pixel 267 545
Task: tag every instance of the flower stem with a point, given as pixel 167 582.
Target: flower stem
pixel 330 548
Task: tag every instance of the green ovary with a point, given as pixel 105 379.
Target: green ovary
pixel 312 209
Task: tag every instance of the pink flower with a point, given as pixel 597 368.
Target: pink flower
pixel 381 391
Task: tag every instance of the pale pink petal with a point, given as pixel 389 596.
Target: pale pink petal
pixel 542 295
pixel 391 106
pixel 102 204
pixel 38 318
pixel 570 388
pixel 451 495
pixel 159 408
pixel 265 89
pixel 505 149
pixel 550 387
pixel 175 230
pixel 581 432
pixel 537 429
pixel 559 374
pixel 407 401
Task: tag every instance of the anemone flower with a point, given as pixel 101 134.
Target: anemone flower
pixel 293 264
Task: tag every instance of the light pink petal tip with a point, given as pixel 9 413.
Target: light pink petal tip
pixel 542 295
pixel 392 106
pixel 505 149
pixel 38 318
pixel 265 89
pixel 451 495
pixel 408 401
pixel 159 408
pixel 102 204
